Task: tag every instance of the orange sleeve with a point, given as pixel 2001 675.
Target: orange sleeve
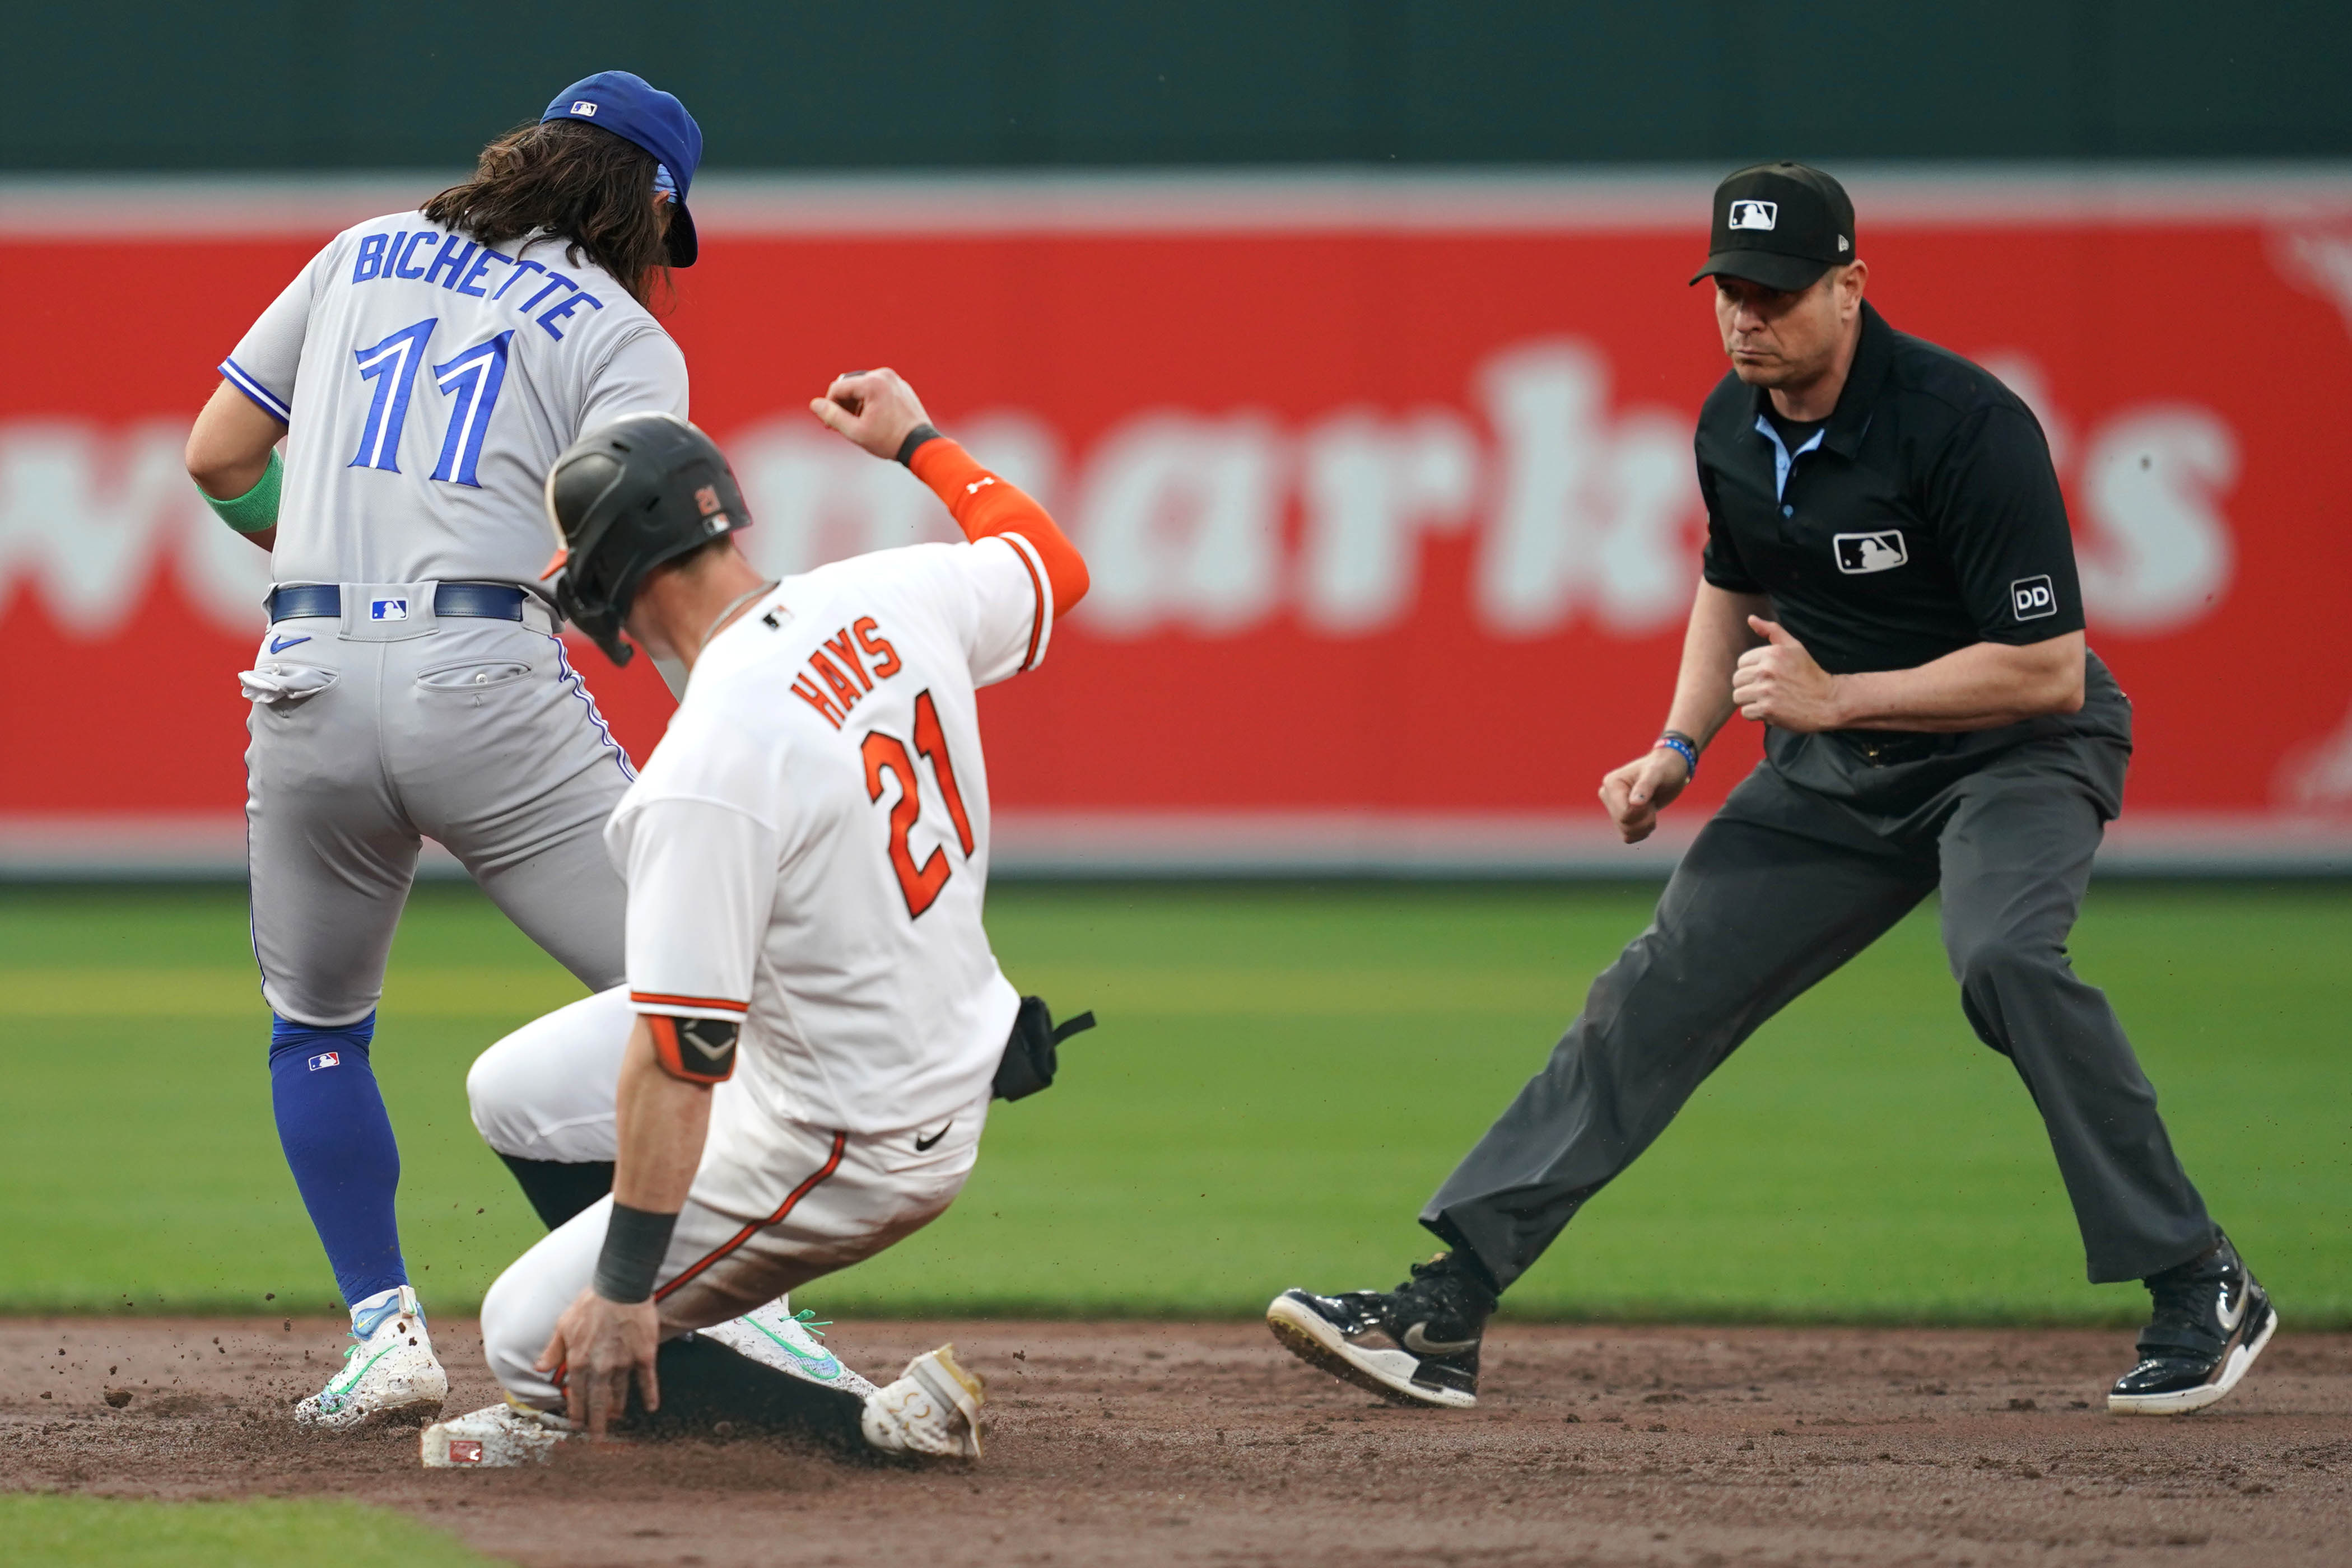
pixel 986 504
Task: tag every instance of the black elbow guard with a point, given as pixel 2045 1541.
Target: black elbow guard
pixel 699 1051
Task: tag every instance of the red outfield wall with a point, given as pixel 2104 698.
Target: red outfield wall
pixel 1386 486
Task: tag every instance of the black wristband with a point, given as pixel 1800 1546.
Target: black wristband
pixel 635 1241
pixel 916 437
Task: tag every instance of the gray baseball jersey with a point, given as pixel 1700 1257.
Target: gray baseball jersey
pixel 429 383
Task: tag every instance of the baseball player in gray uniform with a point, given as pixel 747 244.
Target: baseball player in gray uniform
pixel 423 371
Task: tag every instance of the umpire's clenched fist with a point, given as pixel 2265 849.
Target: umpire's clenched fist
pixel 1780 684
pixel 1636 793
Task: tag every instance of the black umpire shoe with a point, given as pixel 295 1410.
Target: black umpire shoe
pixel 1417 1345
pixel 2212 1318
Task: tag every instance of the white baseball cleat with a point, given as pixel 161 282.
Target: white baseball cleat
pixel 933 1410
pixel 388 1377
pixel 496 1436
pixel 774 1335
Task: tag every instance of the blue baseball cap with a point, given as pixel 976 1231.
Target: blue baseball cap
pixel 636 111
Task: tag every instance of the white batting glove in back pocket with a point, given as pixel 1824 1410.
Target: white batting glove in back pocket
pixel 275 685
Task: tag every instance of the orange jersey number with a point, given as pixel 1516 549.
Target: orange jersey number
pixel 887 753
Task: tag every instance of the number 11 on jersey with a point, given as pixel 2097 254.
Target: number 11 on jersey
pixel 472 381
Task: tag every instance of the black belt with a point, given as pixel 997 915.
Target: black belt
pixel 477 601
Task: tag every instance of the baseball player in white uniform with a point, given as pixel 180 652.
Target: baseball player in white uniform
pixel 797 1071
pixel 425 369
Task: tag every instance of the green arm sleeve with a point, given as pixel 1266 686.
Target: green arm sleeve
pixel 256 509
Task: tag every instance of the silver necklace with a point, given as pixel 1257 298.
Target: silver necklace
pixel 733 605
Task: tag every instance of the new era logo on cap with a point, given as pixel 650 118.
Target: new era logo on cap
pixel 1755 214
pixel 583 107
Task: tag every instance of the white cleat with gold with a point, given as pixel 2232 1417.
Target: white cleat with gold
pixel 932 1409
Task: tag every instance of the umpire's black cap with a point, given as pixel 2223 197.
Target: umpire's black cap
pixel 1779 225
pixel 623 499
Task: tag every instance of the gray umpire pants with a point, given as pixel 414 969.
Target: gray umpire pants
pixel 367 735
pixel 1827 844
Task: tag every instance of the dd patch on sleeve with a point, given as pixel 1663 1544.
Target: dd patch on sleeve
pixel 2033 598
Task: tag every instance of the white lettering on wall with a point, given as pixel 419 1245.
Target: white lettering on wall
pixel 87 515
pixel 1568 509
pixel 1588 511
pixel 2156 555
pixel 1371 488
pixel 1179 517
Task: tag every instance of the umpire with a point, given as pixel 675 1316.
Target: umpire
pixel 1889 587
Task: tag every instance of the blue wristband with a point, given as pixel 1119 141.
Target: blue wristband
pixel 1683 749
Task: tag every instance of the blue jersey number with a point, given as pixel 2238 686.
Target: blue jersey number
pixel 471 380
pixel 392 366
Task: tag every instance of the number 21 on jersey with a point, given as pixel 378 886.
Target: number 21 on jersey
pixel 471 381
pixel 887 753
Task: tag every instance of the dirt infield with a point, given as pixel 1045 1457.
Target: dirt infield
pixel 1118 1443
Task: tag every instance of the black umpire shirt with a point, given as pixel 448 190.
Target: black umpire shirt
pixel 1922 516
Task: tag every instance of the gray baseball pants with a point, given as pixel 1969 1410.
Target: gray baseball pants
pixel 1816 853
pixel 366 735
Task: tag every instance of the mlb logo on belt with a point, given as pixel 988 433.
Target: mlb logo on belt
pixel 2033 598
pixel 387 609
pixel 1879 551
pixel 326 1059
pixel 1755 214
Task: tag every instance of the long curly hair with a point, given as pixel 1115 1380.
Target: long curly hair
pixel 575 180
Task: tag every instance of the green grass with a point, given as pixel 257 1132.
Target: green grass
pixel 55 1531
pixel 1282 1075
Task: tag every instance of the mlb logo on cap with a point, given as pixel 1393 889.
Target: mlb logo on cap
pixel 1755 214
pixel 583 108
pixel 326 1059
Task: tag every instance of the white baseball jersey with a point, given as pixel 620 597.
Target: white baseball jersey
pixel 429 383
pixel 807 849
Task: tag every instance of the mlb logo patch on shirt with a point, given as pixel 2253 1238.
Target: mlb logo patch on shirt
pixel 1880 551
pixel 326 1059
pixel 2033 598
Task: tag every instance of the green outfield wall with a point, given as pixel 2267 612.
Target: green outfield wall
pixel 150 85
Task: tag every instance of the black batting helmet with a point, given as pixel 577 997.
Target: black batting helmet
pixel 623 499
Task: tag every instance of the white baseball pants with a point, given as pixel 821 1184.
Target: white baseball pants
pixel 774 1205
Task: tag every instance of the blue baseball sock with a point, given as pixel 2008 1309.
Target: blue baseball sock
pixel 338 1141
